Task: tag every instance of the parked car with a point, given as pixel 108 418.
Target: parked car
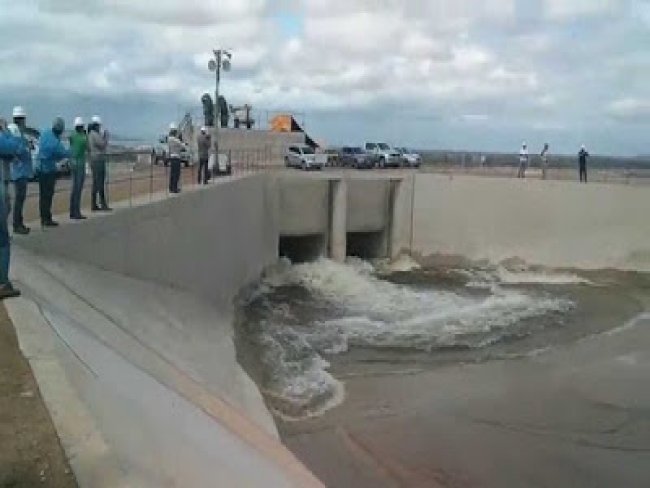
pixel 383 155
pixel 160 153
pixel 356 157
pixel 304 157
pixel 333 157
pixel 409 158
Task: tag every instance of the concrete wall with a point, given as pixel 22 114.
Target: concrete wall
pixel 553 223
pixel 259 147
pixel 368 205
pixel 209 242
pixel 303 205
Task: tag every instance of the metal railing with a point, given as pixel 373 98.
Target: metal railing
pixel 132 177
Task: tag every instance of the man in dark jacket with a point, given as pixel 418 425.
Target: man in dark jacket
pixel 582 158
pixel 204 142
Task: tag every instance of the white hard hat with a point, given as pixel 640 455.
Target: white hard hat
pixel 204 129
pixel 13 128
pixel 19 111
pixel 583 147
pixel 78 122
pixel 173 126
pixel 96 119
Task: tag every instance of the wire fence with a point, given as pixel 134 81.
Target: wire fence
pixel 134 177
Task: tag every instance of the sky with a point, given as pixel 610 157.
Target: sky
pixel 440 74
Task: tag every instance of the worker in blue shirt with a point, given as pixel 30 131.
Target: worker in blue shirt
pixel 51 150
pixel 9 148
pixel 21 172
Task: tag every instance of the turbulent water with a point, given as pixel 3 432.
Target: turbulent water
pixel 302 320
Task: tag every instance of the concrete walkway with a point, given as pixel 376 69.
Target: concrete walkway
pixel 30 452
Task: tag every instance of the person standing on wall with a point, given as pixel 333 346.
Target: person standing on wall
pixel 174 147
pixel 523 161
pixel 10 148
pixel 544 158
pixel 97 144
pixel 5 169
pixel 21 172
pixel 582 159
pixel 79 149
pixel 204 143
pixel 51 150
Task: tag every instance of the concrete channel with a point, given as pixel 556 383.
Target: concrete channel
pixel 127 319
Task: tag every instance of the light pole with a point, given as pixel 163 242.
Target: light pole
pixel 220 61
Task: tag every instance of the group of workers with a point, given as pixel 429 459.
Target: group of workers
pixel 24 157
pixel 524 159
pixel 175 147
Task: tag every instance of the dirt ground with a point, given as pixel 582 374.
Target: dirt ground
pixel 30 452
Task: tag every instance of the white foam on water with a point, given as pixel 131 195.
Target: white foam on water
pixel 539 278
pixel 485 278
pixel 374 313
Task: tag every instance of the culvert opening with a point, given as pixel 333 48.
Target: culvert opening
pixel 365 245
pixel 301 249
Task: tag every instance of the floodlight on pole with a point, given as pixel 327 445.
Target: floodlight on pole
pixel 220 61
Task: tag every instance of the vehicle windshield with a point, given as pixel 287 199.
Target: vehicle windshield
pixel 383 146
pixel 356 150
pixel 371 146
pixel 307 150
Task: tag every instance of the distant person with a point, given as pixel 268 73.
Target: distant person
pixel 544 158
pixel 204 142
pixel 523 161
pixel 21 172
pixel 174 146
pixel 97 144
pixel 79 148
pixel 51 150
pixel 9 149
pixel 582 159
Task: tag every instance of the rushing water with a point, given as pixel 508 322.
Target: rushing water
pixel 305 327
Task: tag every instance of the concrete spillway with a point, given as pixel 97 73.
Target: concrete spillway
pixel 127 319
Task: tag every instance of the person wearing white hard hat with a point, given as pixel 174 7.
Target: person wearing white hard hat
pixel 98 142
pixel 21 172
pixel 204 142
pixel 582 160
pixel 523 161
pixel 79 148
pixel 175 147
pixel 19 115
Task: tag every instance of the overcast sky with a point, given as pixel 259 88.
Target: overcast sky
pixel 475 74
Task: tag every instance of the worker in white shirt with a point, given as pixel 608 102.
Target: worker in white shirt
pixel 523 161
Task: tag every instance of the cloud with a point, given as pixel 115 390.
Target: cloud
pixel 528 66
pixel 630 109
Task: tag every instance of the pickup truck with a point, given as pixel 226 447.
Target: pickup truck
pixel 159 153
